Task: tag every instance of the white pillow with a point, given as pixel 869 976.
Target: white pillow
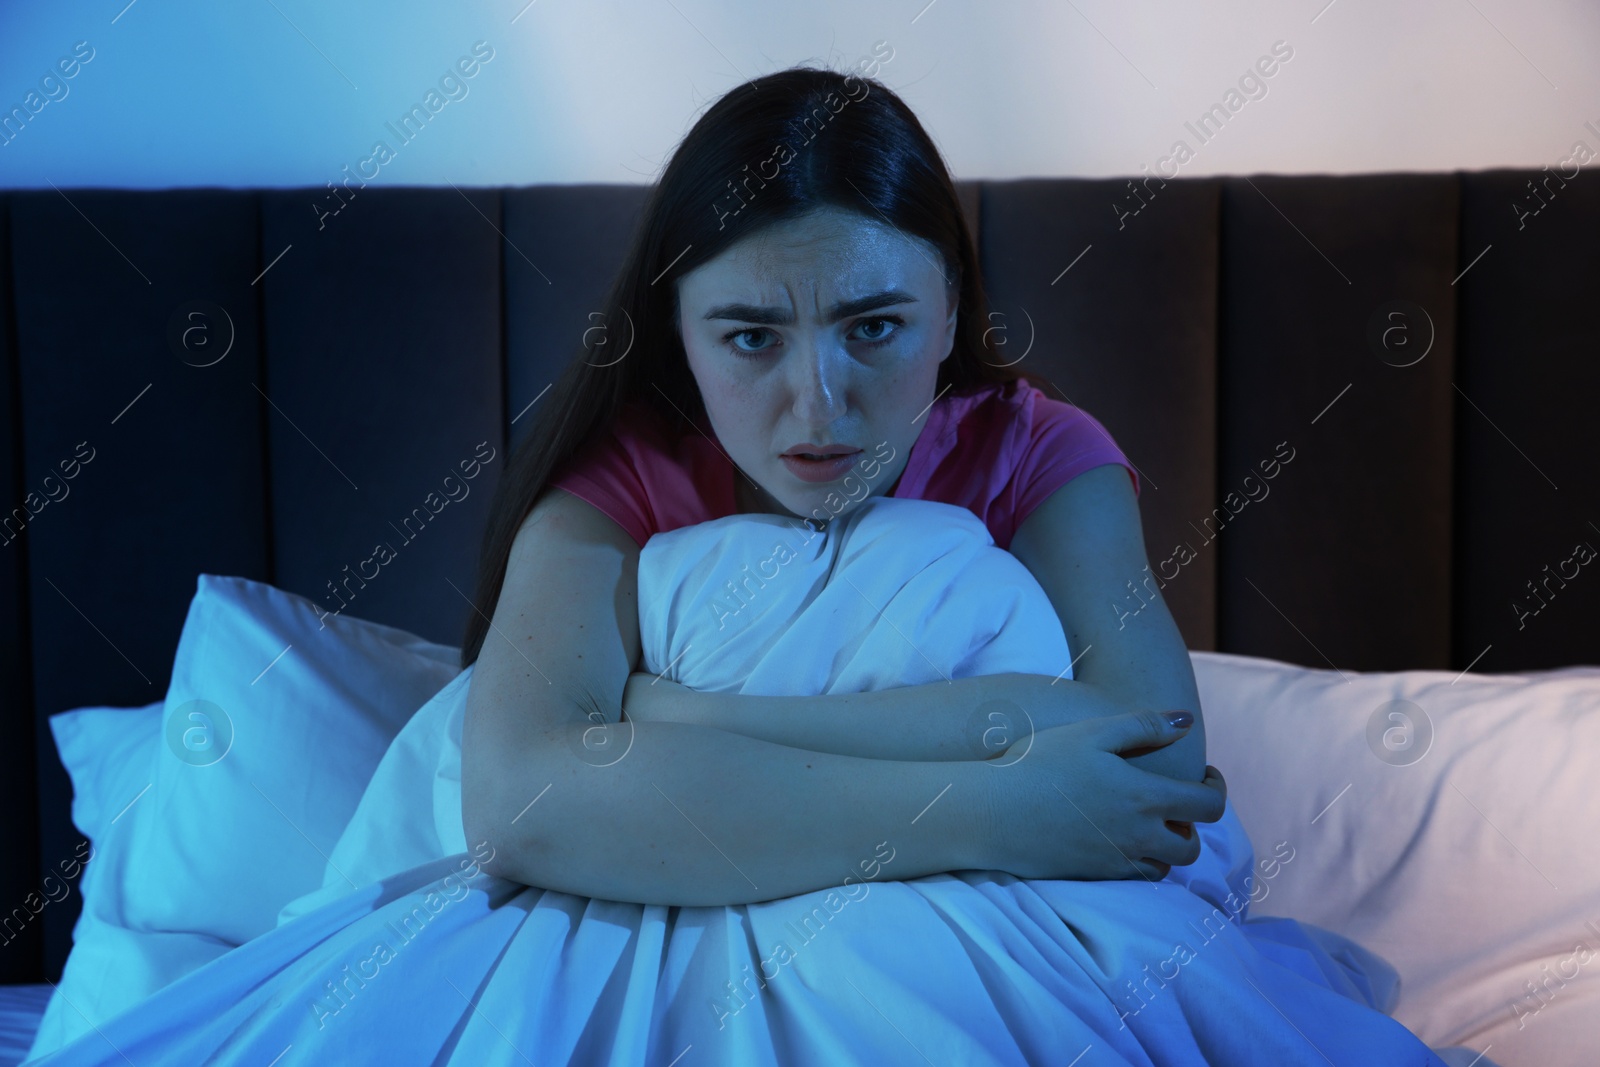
pixel 1462 850
pixel 250 798
pixel 350 680
pixel 110 755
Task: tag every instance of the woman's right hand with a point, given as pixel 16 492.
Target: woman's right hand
pixel 1071 807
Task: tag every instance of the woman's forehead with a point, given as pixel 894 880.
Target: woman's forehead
pixel 814 261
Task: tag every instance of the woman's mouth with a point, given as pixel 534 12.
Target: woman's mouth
pixel 812 468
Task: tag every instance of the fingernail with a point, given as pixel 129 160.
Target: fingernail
pixel 1180 719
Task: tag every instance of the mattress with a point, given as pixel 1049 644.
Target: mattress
pixel 21 1007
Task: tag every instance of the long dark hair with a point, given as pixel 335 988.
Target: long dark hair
pixel 850 143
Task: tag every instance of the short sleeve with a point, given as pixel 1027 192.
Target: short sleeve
pixel 1064 441
pixel 603 473
pixel 647 476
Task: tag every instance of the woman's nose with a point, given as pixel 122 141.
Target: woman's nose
pixel 821 385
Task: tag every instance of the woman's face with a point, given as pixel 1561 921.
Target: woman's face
pixel 826 330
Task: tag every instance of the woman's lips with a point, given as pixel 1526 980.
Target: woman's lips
pixel 820 470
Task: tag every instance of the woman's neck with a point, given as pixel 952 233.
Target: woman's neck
pixel 750 499
pixel 747 497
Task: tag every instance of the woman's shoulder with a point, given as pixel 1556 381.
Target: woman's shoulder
pixel 1008 417
pixel 999 449
pixel 635 437
pixel 645 471
pixel 1004 400
pixel 1019 417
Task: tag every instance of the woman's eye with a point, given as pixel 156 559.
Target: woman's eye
pixel 733 336
pixel 877 331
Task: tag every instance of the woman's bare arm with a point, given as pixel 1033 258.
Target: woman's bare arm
pixel 656 812
pixel 1085 545
pixel 975 718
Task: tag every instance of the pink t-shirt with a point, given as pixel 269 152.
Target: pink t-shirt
pixel 998 451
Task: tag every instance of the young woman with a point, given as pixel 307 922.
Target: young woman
pixel 802 280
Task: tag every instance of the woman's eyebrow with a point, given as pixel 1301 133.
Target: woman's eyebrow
pixel 772 316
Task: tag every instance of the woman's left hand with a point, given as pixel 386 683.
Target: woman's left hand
pixel 1029 703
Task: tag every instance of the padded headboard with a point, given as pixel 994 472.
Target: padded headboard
pixel 1213 325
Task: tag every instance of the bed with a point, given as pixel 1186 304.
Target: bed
pixel 21 1007
pixel 241 396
